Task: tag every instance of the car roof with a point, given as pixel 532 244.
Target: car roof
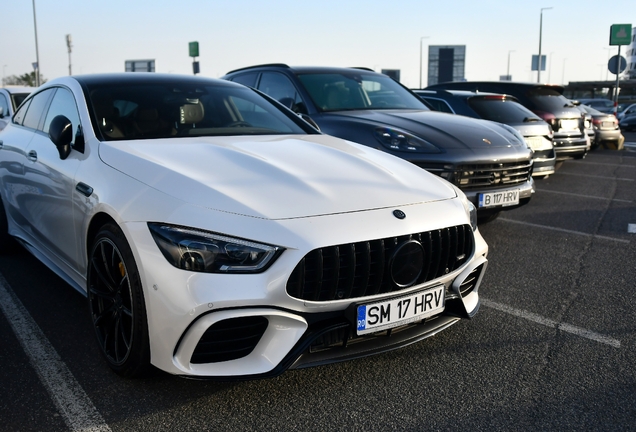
pixel 499 84
pixel 144 78
pixel 304 69
pixel 18 89
pixel 465 94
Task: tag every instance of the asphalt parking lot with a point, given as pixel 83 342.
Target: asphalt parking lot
pixel 552 348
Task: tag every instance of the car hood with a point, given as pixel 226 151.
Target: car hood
pixel 275 177
pixel 445 131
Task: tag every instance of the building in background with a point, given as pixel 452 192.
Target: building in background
pixel 446 63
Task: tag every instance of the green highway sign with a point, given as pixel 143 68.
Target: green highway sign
pixel 620 34
pixel 194 49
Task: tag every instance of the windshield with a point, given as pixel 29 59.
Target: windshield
pixel 548 99
pixel 501 110
pixel 358 91
pixel 156 110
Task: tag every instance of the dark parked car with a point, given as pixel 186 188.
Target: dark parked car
pixel 489 161
pixel 10 100
pixel 605 127
pixel 503 109
pixel 628 123
pixel 546 101
pixel 602 105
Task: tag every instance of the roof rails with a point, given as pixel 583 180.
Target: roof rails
pixel 280 65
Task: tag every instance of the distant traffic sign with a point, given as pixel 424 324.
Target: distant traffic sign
pixel 620 34
pixel 617 64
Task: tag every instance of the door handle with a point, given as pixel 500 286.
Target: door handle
pixel 32 156
pixel 84 189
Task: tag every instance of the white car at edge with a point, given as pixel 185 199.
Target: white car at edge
pixel 216 234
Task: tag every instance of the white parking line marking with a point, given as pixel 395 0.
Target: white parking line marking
pixel 565 230
pixel 584 196
pixel 69 397
pixel 599 177
pixel 631 228
pixel 578 331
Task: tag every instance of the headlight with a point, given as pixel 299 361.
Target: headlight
pixel 202 251
pixel 471 210
pixel 401 141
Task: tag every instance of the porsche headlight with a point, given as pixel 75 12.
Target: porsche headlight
pixel 401 141
pixel 202 251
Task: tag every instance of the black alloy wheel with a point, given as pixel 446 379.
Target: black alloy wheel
pixel 116 304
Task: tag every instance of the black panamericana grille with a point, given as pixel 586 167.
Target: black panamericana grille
pixel 229 339
pixel 486 175
pixel 362 269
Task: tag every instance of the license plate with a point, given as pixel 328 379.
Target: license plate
pixel 535 143
pixel 569 125
pixel 504 198
pixel 379 316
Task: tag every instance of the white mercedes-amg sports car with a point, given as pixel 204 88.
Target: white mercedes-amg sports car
pixel 216 234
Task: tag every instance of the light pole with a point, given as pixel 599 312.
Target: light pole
pixel 69 45
pixel 421 39
pixel 508 70
pixel 37 54
pixel 540 34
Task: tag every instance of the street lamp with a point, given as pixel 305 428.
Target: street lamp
pixel 69 45
pixel 421 39
pixel 540 34
pixel 508 70
pixel 37 54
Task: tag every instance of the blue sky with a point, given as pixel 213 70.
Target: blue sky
pixel 375 34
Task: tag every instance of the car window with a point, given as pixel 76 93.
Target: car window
pixel 548 99
pixel 279 87
pixel 358 91
pixel 439 105
pixel 146 111
pixel 248 79
pixel 18 98
pixel 63 103
pixel 500 110
pixel 4 105
pixel 36 108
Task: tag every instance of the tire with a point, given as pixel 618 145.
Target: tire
pixel 116 304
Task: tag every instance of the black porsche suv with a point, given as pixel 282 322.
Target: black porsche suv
pixel 490 162
pixel 546 101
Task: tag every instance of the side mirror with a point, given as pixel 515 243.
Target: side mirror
pixel 310 121
pixel 61 133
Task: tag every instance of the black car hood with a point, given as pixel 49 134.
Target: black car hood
pixel 445 131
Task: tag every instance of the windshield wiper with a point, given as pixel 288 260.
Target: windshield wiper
pixel 531 119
